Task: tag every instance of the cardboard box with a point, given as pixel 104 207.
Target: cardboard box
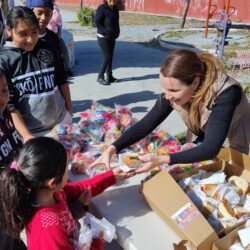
pixel 227 241
pixel 163 194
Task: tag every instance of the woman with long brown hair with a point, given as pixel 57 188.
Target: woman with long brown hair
pixel 212 105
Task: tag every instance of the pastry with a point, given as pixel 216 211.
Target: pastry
pixel 240 183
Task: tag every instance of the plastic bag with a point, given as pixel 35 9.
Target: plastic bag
pixel 96 225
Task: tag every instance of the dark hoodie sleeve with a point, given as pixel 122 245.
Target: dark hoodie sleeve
pixel 100 20
pixel 147 124
pixel 60 72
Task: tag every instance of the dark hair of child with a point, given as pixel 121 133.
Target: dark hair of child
pixel 40 159
pixel 21 13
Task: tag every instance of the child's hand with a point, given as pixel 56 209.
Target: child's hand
pixel 120 175
pixel 77 207
pixel 101 235
pixel 85 197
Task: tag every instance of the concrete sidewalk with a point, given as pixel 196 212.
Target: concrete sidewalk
pixel 136 66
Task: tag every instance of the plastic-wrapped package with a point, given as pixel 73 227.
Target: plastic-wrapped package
pixel 92 129
pixel 71 147
pixel 160 142
pixel 112 131
pixel 96 225
pixel 85 238
pixel 129 161
pixel 81 161
pixel 62 132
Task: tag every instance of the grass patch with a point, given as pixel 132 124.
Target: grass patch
pixel 85 17
pixel 128 18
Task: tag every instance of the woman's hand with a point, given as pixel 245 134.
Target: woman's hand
pixel 120 175
pixel 104 158
pixel 155 159
pixel 151 161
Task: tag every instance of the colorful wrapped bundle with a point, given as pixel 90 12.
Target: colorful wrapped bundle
pixel 111 136
pixel 180 168
pixel 98 106
pixel 126 120
pixel 112 131
pixel 86 115
pixel 101 117
pixel 81 161
pixel 122 110
pixel 93 130
pixel 71 147
pixel 160 142
pixel 62 132
pixel 173 145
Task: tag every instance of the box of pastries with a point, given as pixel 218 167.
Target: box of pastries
pixel 206 204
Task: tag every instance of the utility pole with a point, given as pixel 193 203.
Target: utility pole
pixel 184 14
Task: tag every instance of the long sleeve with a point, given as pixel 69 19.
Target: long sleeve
pixel 216 130
pixel 97 185
pixel 55 238
pixel 97 244
pixel 147 124
pixel 100 20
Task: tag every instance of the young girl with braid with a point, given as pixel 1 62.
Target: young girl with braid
pixel 35 194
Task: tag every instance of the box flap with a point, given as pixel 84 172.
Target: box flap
pixel 237 158
pixel 228 240
pixel 165 196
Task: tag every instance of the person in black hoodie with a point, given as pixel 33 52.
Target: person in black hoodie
pixel 39 92
pixel 108 30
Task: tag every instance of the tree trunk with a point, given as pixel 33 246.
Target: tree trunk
pixel 184 14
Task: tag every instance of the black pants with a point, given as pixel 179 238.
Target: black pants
pixel 9 243
pixel 107 46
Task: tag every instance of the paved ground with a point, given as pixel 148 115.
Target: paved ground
pixel 137 67
pixel 135 63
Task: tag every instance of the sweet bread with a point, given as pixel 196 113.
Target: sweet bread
pixel 225 209
pixel 240 183
pixel 132 161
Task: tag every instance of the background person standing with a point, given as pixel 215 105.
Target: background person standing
pixel 108 30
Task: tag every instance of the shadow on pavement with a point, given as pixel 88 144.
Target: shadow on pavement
pixel 123 99
pixel 126 55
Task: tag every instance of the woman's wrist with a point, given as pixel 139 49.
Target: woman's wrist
pixel 164 159
pixel 112 149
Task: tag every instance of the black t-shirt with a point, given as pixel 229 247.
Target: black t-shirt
pixel 10 140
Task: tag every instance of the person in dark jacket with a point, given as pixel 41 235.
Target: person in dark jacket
pixel 39 92
pixel 212 104
pixel 108 30
pixel 10 144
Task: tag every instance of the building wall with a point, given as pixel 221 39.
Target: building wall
pixel 197 8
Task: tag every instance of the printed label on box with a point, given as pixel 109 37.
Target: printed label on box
pixel 186 215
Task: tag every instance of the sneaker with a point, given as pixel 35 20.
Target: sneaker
pixel 102 81
pixel 112 79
